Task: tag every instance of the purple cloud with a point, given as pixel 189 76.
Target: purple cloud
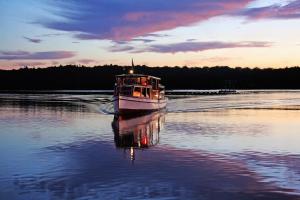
pixel 23 55
pixel 155 35
pixel 190 47
pixel 117 48
pixel 121 42
pixel 33 40
pixel 143 40
pixel 289 11
pixel 201 46
pixel 14 53
pixel 125 20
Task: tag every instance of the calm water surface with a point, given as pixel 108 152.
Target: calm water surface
pixel 57 146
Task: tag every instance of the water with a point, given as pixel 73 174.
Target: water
pixel 58 146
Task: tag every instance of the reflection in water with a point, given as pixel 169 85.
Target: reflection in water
pixel 137 131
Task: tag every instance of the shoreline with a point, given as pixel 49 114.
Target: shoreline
pixel 168 92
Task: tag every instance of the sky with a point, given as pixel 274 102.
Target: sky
pixel 236 33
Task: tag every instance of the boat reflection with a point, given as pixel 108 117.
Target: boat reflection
pixel 137 132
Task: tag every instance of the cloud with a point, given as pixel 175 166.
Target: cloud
pixel 50 35
pixel 118 48
pixel 125 20
pixel 121 42
pixel 191 40
pixel 155 35
pixel 32 40
pixel 14 53
pixel 86 61
pixel 143 40
pixel 200 46
pixel 288 11
pixel 24 55
pixel 190 47
pixel 30 63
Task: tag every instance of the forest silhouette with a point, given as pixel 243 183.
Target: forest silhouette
pixel 73 77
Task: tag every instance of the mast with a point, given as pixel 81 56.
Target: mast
pixel 131 71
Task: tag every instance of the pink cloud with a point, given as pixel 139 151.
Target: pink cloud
pixel 124 20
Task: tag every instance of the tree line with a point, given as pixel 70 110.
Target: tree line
pixel 72 77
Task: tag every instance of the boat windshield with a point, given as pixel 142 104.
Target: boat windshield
pixel 130 81
pixel 133 81
pixel 126 90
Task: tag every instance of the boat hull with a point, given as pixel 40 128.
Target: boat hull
pixel 132 105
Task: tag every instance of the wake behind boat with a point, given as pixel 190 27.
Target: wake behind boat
pixel 138 93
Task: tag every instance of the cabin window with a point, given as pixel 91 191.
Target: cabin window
pixel 130 81
pixel 155 84
pixel 137 92
pixel 125 91
pixel 144 92
pixel 138 80
pixel 152 83
pixel 148 92
pixel 155 94
pixel 143 81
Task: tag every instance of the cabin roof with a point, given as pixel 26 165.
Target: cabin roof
pixel 136 76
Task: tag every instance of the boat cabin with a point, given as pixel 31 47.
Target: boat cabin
pixel 139 86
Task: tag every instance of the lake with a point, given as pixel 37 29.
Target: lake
pixel 71 146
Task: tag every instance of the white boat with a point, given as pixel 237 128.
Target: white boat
pixel 138 93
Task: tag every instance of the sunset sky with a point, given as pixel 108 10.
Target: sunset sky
pixel 245 33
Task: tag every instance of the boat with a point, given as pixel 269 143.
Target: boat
pixel 138 93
